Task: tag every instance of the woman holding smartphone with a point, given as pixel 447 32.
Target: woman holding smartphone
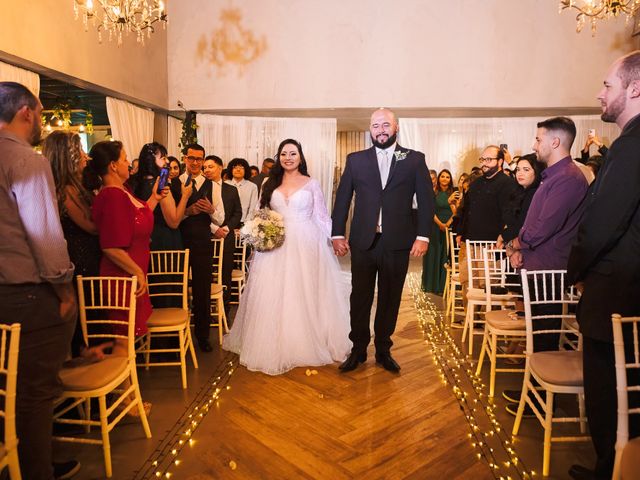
pixel 153 164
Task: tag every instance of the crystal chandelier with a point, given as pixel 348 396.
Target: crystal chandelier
pixel 117 16
pixel 600 10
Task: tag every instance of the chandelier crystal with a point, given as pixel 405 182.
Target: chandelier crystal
pixel 594 10
pixel 118 16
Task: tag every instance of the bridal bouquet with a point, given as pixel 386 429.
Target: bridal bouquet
pixel 264 231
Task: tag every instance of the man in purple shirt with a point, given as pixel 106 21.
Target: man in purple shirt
pixel 551 225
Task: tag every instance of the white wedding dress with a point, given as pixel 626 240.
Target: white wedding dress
pixel 294 311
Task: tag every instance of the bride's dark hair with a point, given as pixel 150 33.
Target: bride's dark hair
pixel 277 172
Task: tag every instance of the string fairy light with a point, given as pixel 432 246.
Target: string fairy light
pixel 490 441
pixel 164 460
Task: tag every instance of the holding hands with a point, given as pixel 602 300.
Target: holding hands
pixel 340 246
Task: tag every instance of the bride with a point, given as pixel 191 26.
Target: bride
pixel 294 310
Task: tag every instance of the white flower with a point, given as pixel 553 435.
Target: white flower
pixel 400 155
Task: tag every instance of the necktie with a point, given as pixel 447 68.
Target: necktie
pixel 385 165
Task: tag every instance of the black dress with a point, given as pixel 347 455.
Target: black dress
pixel 85 253
pixel 163 236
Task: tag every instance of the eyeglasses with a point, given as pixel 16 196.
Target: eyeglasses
pixel 194 159
pixel 487 159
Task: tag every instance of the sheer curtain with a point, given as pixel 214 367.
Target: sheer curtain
pixel 256 138
pixel 132 125
pixel 174 132
pixel 456 143
pixel 9 73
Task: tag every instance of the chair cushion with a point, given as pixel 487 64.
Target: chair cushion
pixel 476 294
pixel 236 274
pixel 559 368
pixel 216 289
pixel 629 462
pixel 92 376
pixel 503 320
pixel 166 317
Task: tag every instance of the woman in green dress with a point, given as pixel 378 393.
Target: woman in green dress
pixel 433 271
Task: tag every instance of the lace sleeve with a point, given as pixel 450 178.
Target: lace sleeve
pixel 320 213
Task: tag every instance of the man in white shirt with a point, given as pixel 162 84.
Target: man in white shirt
pixel 240 173
pixel 203 208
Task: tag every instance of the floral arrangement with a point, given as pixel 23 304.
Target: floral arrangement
pixel 264 231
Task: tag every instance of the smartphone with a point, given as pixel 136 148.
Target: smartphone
pixel 592 132
pixel 504 146
pixel 164 176
pixel 187 181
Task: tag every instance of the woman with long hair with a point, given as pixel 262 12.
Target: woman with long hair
pixel 433 271
pixel 165 235
pixel 68 160
pixel 294 311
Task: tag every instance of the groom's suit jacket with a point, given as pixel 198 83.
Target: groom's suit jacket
pixel 400 223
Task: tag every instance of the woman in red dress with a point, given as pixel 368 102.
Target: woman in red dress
pixel 124 225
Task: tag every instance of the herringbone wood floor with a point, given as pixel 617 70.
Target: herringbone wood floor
pixel 365 424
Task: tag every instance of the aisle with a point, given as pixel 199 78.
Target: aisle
pixel 365 424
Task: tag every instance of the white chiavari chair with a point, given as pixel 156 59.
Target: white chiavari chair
pixel 112 375
pixel 168 279
pixel 551 372
pixel 9 337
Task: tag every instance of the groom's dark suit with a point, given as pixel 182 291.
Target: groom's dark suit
pixel 383 253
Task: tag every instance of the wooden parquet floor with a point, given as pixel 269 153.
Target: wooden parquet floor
pixel 365 424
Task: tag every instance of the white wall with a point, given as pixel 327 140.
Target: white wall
pixel 406 53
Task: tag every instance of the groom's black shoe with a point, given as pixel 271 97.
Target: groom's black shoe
pixel 387 362
pixel 352 361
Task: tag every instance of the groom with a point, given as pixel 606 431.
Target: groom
pixel 385 230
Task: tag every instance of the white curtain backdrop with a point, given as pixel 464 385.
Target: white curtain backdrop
pixel 132 125
pixel 9 73
pixel 174 132
pixel 256 138
pixel 456 143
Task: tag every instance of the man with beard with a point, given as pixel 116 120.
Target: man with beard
pixel 487 206
pixel 35 278
pixel 384 232
pixel 550 227
pixel 604 263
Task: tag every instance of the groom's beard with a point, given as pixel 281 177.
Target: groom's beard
pixel 383 145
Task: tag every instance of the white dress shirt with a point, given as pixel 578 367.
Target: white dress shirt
pixel 248 196
pixel 217 217
pixel 214 227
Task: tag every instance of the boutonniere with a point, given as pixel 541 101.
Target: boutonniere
pixel 400 155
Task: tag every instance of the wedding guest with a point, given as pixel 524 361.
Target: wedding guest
pixel 124 225
pixel 232 217
pixel 434 180
pixel 254 171
pixel 240 174
pixel 35 278
pixel 456 201
pixel 594 166
pixel 433 271
pixel 68 160
pixel 592 140
pixel 384 233
pixel 175 169
pixel 486 206
pixel 133 169
pixel 604 263
pixel 304 320
pixel 167 218
pixel 527 174
pixel 203 208
pixel 267 165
